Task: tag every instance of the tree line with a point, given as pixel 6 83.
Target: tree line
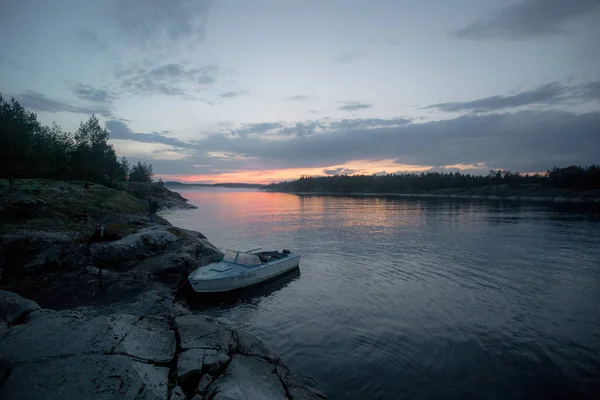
pixel 29 149
pixel 572 177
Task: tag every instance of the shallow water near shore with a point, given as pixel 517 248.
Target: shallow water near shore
pixel 413 298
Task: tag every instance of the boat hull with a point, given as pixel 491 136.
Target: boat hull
pixel 252 277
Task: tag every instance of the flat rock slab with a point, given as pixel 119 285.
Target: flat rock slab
pixel 86 377
pixel 86 354
pixel 67 355
pixel 67 333
pixel 198 332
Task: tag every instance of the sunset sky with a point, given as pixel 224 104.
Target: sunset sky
pixel 261 91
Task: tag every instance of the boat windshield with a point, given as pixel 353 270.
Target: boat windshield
pixel 241 258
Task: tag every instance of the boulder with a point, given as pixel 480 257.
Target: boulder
pixel 14 308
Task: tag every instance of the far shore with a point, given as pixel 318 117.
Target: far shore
pixel 554 199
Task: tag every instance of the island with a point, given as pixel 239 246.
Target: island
pixel 568 184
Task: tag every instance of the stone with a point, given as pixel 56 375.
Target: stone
pixel 248 378
pixel 191 364
pixel 250 345
pixel 14 308
pixel 204 383
pixel 177 394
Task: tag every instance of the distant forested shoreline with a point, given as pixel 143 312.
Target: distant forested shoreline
pixel 232 185
pixel 571 181
pixel 30 150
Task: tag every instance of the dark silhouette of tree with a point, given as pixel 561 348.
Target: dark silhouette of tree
pixel 141 172
pixel 30 150
pixel 573 177
pixel 17 130
pixel 124 169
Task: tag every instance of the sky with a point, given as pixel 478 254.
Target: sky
pixel 262 91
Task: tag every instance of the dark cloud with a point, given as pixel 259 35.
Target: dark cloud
pixel 544 94
pixel 367 123
pixel 552 93
pixel 589 91
pixel 313 112
pixel 340 171
pixel 169 79
pixel 354 106
pixel 90 93
pixel 347 57
pixel 310 127
pixel 528 19
pixel 39 102
pixel 120 130
pixel 259 128
pixel 527 141
pixel 232 94
pixel 302 128
pixel 298 97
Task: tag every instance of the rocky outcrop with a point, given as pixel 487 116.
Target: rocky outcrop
pixel 149 192
pixel 51 251
pixel 110 354
pixel 116 330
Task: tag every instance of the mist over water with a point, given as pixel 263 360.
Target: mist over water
pixel 399 299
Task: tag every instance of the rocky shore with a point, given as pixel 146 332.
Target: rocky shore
pixel 91 316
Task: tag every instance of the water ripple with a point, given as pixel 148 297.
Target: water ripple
pixel 400 299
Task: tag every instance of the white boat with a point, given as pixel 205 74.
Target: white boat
pixel 239 269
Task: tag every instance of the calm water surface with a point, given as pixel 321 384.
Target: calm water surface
pixel 399 299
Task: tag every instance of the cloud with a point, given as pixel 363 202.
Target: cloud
pixel 528 19
pixel 298 97
pixel 345 58
pixel 304 128
pixel 233 94
pixel 525 141
pixel 41 103
pixel 120 130
pixel 90 93
pixel 354 106
pixel 368 123
pixel 313 112
pixel 170 79
pixel 589 91
pixel 260 128
pixel 90 38
pixel 340 171
pixel 158 24
pixel 522 141
pixel 552 93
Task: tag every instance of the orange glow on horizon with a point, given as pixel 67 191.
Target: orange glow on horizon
pixel 277 175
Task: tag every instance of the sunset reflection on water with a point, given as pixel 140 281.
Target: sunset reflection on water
pixel 395 293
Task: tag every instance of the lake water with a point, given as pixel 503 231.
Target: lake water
pixel 419 299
